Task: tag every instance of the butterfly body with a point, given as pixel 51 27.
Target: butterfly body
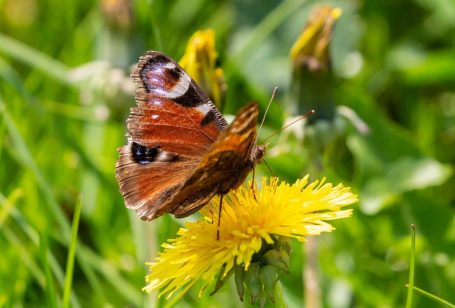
pixel 181 151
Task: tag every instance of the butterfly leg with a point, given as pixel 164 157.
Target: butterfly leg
pixel 219 218
pixel 252 182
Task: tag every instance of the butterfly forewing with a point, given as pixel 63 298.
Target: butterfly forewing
pixel 169 132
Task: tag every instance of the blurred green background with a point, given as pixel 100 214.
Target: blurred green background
pixel 65 93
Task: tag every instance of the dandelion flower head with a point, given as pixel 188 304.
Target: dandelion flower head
pixel 249 217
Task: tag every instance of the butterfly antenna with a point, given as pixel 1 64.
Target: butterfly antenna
pixel 268 106
pixel 270 169
pixel 301 118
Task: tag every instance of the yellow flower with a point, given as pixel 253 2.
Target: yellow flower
pixel 199 61
pixel 248 218
pixel 311 48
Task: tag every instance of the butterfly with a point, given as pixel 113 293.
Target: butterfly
pixel 181 151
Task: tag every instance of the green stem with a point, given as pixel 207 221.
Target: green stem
pixel 411 269
pixel 71 254
pixel 156 32
pixel 50 289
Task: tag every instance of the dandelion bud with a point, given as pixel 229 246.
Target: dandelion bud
pixel 199 61
pixel 117 13
pixel 312 78
pixel 311 48
pixel 252 281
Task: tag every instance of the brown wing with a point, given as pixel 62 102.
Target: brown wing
pixel 224 167
pixel 169 132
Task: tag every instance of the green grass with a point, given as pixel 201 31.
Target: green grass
pixel 65 93
pixel 71 254
pixel 410 285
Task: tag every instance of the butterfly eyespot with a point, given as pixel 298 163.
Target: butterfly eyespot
pixel 143 154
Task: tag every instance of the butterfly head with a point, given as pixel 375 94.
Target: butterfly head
pixel 258 153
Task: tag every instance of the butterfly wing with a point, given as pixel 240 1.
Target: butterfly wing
pixel 170 130
pixel 224 167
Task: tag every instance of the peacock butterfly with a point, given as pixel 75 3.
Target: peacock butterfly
pixel 181 151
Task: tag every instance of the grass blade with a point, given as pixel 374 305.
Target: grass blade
pixel 71 254
pixel 411 269
pixel 35 238
pixel 50 290
pixel 266 26
pixel 25 256
pixel 156 31
pixel 434 297
pixel 112 275
pixel 28 162
pixel 8 204
pixel 34 58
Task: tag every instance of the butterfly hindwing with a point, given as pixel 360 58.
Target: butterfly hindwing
pixel 224 167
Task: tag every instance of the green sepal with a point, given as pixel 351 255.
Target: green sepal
pixel 279 259
pixel 285 258
pixel 239 273
pixel 221 281
pixel 267 274
pixel 285 243
pixel 262 299
pixel 252 281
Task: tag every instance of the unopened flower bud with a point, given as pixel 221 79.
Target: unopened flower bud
pixel 199 61
pixel 311 48
pixel 312 78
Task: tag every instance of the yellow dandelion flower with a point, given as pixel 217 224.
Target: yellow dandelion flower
pixel 249 218
pixel 199 61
